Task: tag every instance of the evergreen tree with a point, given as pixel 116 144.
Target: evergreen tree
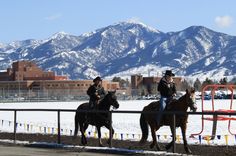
pixel 197 85
pixel 223 81
pixel 207 82
pixel 122 82
pixel 184 85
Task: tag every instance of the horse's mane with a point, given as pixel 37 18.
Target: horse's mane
pixel 103 103
pixel 179 104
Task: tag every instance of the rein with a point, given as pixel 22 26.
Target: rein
pixel 180 104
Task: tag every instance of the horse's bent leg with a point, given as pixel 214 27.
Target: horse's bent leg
pixel 99 137
pixel 154 139
pixel 183 129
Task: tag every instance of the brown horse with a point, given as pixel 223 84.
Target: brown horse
pixel 181 104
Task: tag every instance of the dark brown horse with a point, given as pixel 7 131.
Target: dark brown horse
pixel 83 119
pixel 181 104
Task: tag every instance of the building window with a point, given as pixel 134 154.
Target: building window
pixel 78 85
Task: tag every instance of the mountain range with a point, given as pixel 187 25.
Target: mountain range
pixel 127 48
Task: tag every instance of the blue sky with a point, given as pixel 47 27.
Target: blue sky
pixel 39 19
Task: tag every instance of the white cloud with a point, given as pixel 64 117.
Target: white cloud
pixel 224 21
pixel 53 17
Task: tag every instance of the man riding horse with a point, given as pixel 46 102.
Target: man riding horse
pixel 167 89
pixel 101 101
pixel 96 93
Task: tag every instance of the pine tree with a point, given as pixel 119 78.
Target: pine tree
pixel 207 82
pixel 197 84
pixel 122 82
pixel 223 81
pixel 184 85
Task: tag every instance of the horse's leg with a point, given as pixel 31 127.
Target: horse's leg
pixel 154 138
pixel 99 136
pixel 85 128
pixel 112 133
pixel 83 138
pixel 168 146
pixel 183 130
pixel 76 120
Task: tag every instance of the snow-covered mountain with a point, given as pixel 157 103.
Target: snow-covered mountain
pixel 129 48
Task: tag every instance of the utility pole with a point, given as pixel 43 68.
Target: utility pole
pixel 19 90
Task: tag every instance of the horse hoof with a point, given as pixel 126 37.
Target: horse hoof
pixel 158 148
pixel 188 151
pixel 108 142
pixel 151 146
pixel 84 143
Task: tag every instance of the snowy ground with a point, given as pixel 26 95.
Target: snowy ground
pixel 126 126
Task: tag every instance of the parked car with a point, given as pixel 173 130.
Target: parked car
pixel 207 97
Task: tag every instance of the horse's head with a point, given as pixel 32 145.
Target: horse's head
pixel 190 99
pixel 112 99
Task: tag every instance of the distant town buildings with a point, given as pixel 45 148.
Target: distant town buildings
pixel 26 70
pixel 26 79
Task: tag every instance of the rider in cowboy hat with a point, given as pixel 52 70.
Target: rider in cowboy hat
pixel 167 89
pixel 96 92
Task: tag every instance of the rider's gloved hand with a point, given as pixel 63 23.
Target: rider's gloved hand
pixel 98 97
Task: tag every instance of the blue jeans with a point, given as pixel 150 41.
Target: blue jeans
pixel 161 109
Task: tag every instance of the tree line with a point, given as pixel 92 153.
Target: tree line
pixel 198 85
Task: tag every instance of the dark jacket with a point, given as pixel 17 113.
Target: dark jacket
pixel 93 92
pixel 166 89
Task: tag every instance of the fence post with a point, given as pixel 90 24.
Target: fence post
pixel 110 129
pixel 58 127
pixel 213 134
pixel 14 126
pixel 174 134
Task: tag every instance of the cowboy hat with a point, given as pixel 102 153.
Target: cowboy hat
pixel 169 73
pixel 97 79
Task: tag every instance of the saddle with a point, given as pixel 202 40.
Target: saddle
pixel 155 105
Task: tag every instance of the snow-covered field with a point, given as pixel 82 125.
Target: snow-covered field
pixel 126 126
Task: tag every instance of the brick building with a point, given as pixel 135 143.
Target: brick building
pixel 26 70
pixel 148 85
pixel 26 79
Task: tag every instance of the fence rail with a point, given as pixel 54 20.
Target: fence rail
pixel 173 113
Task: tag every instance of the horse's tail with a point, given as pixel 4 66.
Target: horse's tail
pixel 144 128
pixel 76 123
